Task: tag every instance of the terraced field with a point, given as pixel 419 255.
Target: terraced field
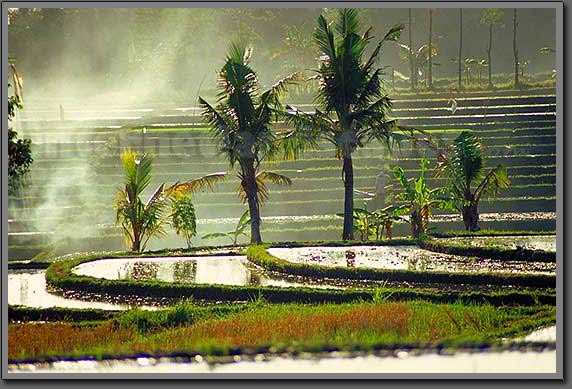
pixel 76 171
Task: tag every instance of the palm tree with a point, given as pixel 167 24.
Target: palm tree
pixel 514 49
pixel 491 17
pixel 241 122
pixel 460 69
pixel 351 104
pixel 142 221
pixel 464 169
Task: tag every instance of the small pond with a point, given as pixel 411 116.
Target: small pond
pixel 222 270
pixel 536 242
pixel 404 258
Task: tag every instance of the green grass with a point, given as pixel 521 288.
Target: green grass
pixel 260 327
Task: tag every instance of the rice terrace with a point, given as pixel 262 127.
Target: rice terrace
pixel 281 190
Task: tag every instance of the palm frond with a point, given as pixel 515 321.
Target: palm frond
pixel 206 182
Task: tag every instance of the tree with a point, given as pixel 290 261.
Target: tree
pixel 491 17
pixel 460 64
pixel 142 221
pixel 430 61
pixel 412 67
pixel 464 169
pixel 514 49
pixel 351 103
pixel 183 216
pixel 241 122
pixel 19 150
pixel 418 58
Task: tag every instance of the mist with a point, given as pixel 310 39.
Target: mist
pixel 87 71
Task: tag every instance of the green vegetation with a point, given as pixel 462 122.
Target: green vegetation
pixel 183 217
pixel 19 150
pixel 464 169
pixel 261 257
pixel 420 198
pixel 243 222
pixel 351 91
pixel 258 327
pixel 142 221
pixel 241 123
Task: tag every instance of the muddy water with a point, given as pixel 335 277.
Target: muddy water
pixel 404 258
pixel 537 242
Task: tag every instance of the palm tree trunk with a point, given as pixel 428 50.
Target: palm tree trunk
pixel 411 61
pixel 348 175
pixel 489 55
pixel 471 217
pixel 460 81
pixel 514 50
pixel 430 67
pixel 251 190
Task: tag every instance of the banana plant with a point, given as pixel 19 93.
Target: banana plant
pixel 241 226
pixel 419 198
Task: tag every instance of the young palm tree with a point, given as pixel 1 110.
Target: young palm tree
pixel 142 221
pixel 464 169
pixel 352 107
pixel 241 122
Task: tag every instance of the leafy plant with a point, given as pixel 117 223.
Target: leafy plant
pixel 183 217
pixel 465 169
pixel 351 104
pixel 19 150
pixel 420 198
pixel 142 221
pixel 243 222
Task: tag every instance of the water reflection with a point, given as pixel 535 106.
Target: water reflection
pixel 536 242
pixel 28 288
pixel 405 258
pixel 225 270
pixel 402 362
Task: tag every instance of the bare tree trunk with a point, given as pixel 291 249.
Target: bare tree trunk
pixel 412 64
pixel 514 49
pixel 460 80
pixel 348 171
pixel 489 55
pixel 430 68
pixel 251 190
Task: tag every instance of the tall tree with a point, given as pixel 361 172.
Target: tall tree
pixel 459 58
pixel 491 17
pixel 514 49
pixel 351 103
pixel 241 122
pixel 412 65
pixel 430 63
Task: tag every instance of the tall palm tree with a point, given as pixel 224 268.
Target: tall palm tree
pixel 491 17
pixel 241 122
pixel 460 64
pixel 351 104
pixel 514 48
pixel 468 181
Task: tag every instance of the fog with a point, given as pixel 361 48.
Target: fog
pixel 117 57
pixel 128 63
